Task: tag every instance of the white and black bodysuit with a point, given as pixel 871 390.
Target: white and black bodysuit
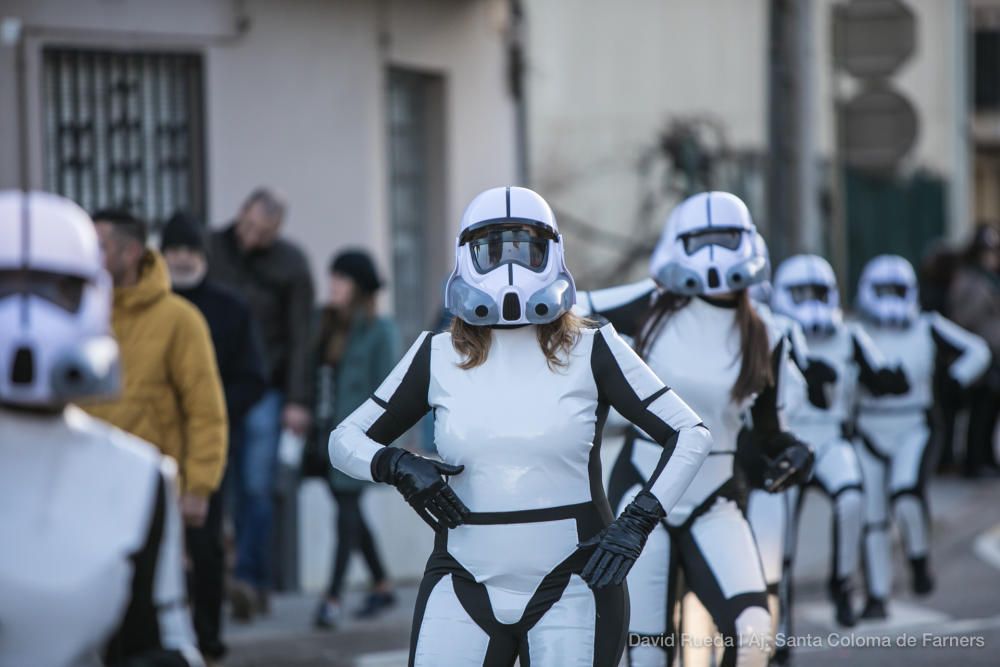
pixel 894 433
pixel 506 583
pixel 857 362
pixel 91 569
pixel 697 351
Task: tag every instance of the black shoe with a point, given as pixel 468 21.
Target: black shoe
pixel 840 592
pixel 923 580
pixel 328 615
pixel 375 604
pixel 243 599
pixel 875 610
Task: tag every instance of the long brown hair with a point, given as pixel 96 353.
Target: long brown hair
pixel 755 347
pixel 557 339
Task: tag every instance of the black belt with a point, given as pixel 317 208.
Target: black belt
pixel 576 511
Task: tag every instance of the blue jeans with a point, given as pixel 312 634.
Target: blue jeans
pixel 255 461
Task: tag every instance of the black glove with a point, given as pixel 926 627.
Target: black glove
pixel 422 485
pixel 792 466
pixel 619 545
pixel 891 381
pixel 818 375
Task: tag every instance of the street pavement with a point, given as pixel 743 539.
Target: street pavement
pixel 959 624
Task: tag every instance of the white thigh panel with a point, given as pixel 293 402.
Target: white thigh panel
pixel 767 514
pixel 726 543
pixel 564 636
pixel 838 466
pixel 905 466
pixel 448 636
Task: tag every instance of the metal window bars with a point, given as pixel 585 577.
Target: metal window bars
pixel 125 129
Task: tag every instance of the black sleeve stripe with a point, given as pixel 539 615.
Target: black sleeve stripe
pixel 409 402
pixel 613 388
pixel 627 317
pixel 795 354
pixel 378 401
pixel 866 374
pixel 140 628
pixel 649 401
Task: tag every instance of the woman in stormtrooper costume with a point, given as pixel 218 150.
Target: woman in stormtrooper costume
pixel 805 289
pixel 91 570
pixel 698 330
pixel 893 430
pixel 528 562
pixel 770 514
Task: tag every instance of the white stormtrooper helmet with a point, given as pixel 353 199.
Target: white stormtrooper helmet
pixel 762 291
pixel 509 262
pixel 708 247
pixel 55 301
pixel 888 292
pixel 805 289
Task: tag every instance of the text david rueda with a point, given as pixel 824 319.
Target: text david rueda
pixel 832 640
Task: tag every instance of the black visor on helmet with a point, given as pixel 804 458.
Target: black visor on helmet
pixel 56 288
pixel 726 237
pixel 890 289
pixel 494 245
pixel 809 292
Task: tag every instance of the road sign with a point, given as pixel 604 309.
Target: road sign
pixel 873 38
pixel 879 127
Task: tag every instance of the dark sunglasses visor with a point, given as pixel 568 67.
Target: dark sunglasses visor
pixel 803 293
pixel 728 238
pixel 890 289
pixel 497 245
pixel 63 291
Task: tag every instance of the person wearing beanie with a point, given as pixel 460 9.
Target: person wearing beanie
pixel 353 350
pixel 237 350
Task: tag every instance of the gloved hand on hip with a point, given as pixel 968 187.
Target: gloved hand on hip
pixel 420 482
pixel 619 545
pixel 792 466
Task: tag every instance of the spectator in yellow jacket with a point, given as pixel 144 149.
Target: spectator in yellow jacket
pixel 171 391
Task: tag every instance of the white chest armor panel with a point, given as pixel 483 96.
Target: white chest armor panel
pixel 912 348
pixel 918 349
pixel 837 351
pixel 697 353
pixel 76 500
pixel 521 449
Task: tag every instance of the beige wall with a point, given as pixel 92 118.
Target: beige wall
pixel 297 100
pixel 602 81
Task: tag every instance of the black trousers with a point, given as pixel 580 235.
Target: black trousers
pixel 352 534
pixel 205 579
pixel 984 404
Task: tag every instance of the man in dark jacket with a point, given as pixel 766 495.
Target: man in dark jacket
pixel 273 276
pixel 238 351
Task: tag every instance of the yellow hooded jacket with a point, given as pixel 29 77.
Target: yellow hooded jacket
pixel 171 391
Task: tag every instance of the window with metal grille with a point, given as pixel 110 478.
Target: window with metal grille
pixel 124 129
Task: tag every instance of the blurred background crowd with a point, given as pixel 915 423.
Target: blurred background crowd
pixel 296 170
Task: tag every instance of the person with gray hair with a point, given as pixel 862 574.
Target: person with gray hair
pixel 272 275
